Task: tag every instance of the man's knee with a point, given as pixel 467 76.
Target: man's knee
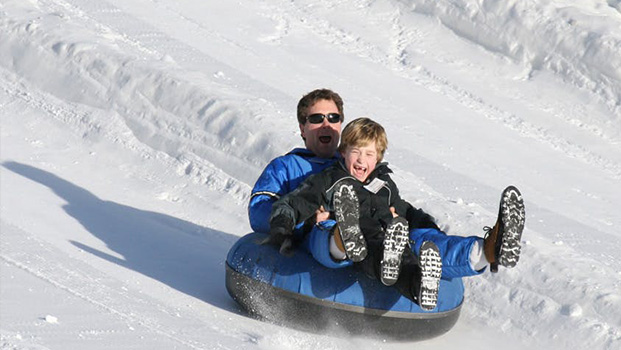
pixel 318 244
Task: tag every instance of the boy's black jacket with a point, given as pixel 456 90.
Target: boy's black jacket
pixel 318 189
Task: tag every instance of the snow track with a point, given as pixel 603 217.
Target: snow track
pixel 128 310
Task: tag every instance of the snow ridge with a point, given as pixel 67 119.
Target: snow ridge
pixel 584 57
pixel 146 101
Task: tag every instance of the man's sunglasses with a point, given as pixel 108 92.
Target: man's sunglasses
pixel 317 118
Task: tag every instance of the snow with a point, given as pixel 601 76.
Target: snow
pixel 133 130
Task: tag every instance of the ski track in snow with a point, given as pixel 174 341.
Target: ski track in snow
pixel 157 81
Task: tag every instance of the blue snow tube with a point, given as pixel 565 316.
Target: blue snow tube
pixel 297 291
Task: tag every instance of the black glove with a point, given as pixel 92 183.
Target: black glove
pixel 286 248
pixel 419 219
pixel 281 234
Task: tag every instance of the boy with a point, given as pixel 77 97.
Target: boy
pixel 371 229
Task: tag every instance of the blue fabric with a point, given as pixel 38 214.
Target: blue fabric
pixel 281 176
pixel 259 210
pixel 317 243
pixel 455 251
pixel 302 274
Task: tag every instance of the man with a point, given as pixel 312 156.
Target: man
pixel 283 174
pixel 320 117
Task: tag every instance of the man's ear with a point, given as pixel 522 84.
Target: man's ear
pixel 302 132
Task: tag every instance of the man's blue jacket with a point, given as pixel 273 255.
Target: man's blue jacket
pixel 281 176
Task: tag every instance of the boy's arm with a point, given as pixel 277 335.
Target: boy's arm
pixel 296 206
pixel 416 218
pixel 299 205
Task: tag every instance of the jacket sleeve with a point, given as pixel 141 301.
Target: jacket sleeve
pixel 416 218
pixel 270 186
pixel 301 203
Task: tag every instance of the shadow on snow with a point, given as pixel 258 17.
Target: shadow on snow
pixel 185 256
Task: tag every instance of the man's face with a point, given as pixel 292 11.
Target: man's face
pixel 323 138
pixel 360 160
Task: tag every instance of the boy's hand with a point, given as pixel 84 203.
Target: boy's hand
pixel 321 214
pixel 394 212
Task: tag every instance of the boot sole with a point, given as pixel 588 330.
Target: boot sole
pixel 513 217
pixel 346 212
pixel 396 238
pixel 431 271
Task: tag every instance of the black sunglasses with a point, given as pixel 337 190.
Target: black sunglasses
pixel 317 118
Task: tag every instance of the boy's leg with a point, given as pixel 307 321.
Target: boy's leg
pixel 502 242
pixel 346 211
pixel 395 240
pixel 431 270
pixel 419 280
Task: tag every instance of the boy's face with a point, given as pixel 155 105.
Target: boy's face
pixel 360 160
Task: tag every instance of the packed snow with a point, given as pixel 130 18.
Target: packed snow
pixel 132 132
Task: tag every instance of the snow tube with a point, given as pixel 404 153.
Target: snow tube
pixel 298 292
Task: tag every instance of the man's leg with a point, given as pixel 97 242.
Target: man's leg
pixel 317 243
pixel 455 251
pixel 502 242
pixel 468 256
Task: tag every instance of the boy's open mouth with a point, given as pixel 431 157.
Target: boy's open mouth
pixel 325 139
pixel 359 171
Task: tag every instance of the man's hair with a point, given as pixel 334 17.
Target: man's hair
pixel 361 132
pixel 308 100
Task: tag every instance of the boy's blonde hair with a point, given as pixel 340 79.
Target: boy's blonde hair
pixel 361 132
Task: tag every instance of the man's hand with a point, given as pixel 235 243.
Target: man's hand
pixel 281 234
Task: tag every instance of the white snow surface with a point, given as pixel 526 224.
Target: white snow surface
pixel 133 130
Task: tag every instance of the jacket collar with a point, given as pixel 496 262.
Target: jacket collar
pixel 305 153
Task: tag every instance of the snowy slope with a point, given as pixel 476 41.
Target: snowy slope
pixel 133 130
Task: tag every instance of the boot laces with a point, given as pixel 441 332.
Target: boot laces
pixel 487 230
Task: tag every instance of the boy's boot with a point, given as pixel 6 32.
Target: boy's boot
pixel 502 242
pixel 346 212
pixel 430 263
pixel 395 239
